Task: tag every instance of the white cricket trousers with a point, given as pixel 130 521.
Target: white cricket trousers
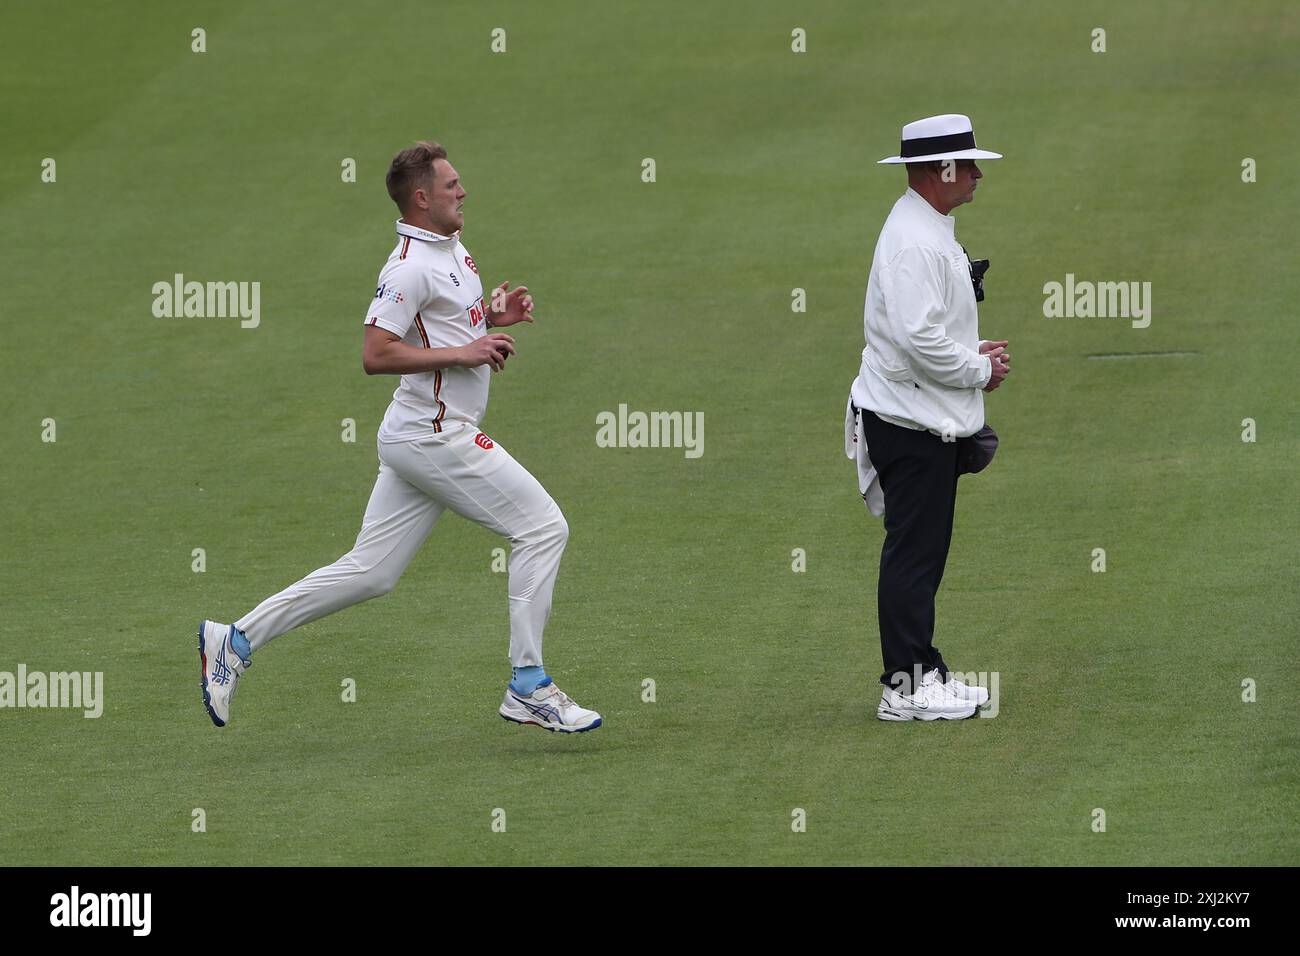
pixel 461 469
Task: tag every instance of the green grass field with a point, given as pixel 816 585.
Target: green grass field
pixel 1119 690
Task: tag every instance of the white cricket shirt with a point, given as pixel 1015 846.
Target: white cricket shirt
pixel 921 367
pixel 429 293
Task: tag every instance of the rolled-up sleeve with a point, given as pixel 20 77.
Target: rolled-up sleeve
pixel 912 287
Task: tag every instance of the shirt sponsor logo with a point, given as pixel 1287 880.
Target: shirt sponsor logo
pixel 477 312
pixel 470 262
pixel 389 294
pixel 455 279
pixel 483 441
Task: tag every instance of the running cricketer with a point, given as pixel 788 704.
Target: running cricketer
pixel 429 324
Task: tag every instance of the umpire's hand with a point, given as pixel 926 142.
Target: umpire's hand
pixel 1000 359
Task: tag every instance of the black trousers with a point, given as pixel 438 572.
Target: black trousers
pixel 918 474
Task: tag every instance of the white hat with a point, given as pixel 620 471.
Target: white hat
pixel 950 136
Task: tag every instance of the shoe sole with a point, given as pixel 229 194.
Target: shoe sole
pixel 564 730
pixel 888 713
pixel 203 679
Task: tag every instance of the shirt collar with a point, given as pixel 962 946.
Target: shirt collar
pixel 415 232
pixel 948 222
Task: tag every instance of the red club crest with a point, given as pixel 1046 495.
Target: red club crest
pixel 482 441
pixel 470 262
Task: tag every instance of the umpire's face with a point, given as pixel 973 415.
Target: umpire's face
pixel 962 188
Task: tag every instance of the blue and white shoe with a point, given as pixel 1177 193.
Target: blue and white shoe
pixel 548 707
pixel 220 668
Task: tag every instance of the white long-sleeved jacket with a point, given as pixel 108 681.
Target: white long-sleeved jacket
pixel 921 367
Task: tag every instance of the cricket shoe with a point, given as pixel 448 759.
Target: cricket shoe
pixel 548 707
pixel 220 668
pixel 977 695
pixel 932 701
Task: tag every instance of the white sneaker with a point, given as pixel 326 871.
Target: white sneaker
pixel 548 707
pixel 932 701
pixel 977 695
pixel 220 668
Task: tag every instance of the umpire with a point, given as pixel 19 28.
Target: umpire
pixel 916 413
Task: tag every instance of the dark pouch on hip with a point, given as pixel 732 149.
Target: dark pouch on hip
pixel 975 453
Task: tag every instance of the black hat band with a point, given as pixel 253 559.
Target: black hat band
pixel 929 145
